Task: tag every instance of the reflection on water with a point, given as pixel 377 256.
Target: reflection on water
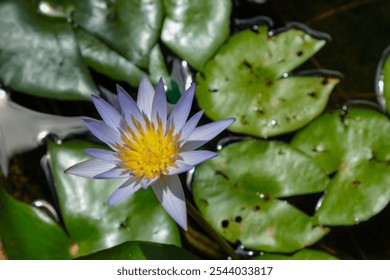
pixel 22 129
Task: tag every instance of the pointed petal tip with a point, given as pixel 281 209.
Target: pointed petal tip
pixel 232 120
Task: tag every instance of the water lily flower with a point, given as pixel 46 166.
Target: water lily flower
pixel 148 146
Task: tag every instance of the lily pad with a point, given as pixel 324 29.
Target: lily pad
pixel 246 79
pixel 238 191
pixel 96 226
pixel 137 250
pixel 28 233
pixel 305 254
pixel 157 67
pixel 195 29
pixel 39 55
pixel 131 28
pixel 103 59
pixel 352 146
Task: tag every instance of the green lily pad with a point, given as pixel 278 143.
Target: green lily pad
pixel 103 59
pixel 96 226
pixel 355 149
pixel 238 191
pixel 137 250
pixel 39 55
pixel 305 254
pixel 246 80
pixel 131 28
pixel 195 29
pixel 28 233
pixel 157 67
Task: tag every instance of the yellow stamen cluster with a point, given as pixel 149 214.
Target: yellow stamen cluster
pixel 149 150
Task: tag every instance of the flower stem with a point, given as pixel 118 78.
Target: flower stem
pixel 194 213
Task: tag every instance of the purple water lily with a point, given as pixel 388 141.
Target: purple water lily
pixel 149 148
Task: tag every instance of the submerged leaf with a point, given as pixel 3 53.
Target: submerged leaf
pixel 238 191
pixel 39 55
pixel 246 80
pixel 383 80
pixel 354 147
pixel 195 29
pixel 90 221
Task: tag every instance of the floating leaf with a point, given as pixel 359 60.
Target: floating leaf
pixel 96 226
pixel 157 67
pixel 131 28
pixel 137 250
pixel 195 29
pixel 354 147
pixel 305 254
pixel 237 193
pixel 28 233
pixel 39 55
pixel 104 60
pixel 245 80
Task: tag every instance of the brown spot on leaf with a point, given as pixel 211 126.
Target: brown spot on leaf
pixel 356 183
pixel 74 249
pixel 225 223
pixel 246 64
pixel 213 90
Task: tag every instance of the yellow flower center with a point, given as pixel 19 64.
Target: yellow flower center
pixel 148 151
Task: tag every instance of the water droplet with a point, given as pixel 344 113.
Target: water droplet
pixel 44 8
pixel 285 75
pixel 320 148
pixel 264 196
pixel 273 123
pixel 357 220
pixel 52 10
pixel 259 110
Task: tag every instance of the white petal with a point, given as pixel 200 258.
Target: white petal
pixel 170 194
pixel 101 154
pixel 145 96
pixel 190 125
pixel 160 105
pixel 89 168
pixel 108 113
pixel 145 183
pixel 124 191
pixel 129 107
pixel 114 173
pixel 196 157
pixel 182 109
pixel 178 167
pixel 102 131
pixel 203 134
